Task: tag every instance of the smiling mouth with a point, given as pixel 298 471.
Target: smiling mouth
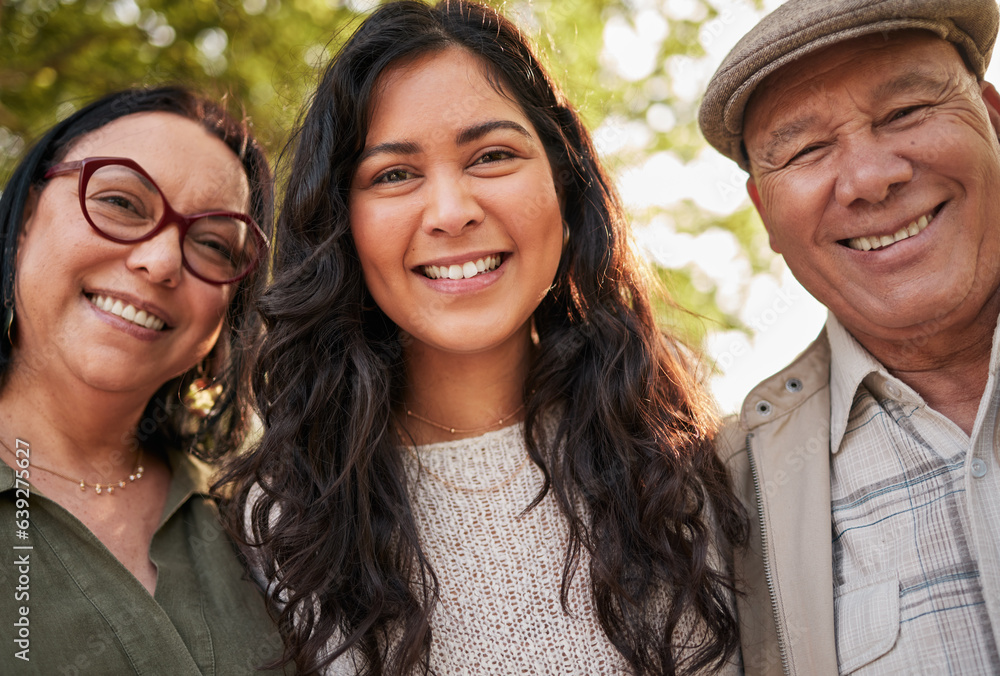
pixel 880 242
pixel 466 270
pixel 127 312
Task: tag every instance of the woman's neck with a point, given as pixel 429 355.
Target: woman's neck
pixel 469 393
pixel 68 424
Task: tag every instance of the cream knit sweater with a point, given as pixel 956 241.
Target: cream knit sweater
pixel 500 570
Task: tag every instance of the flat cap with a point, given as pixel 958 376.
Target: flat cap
pixel 799 27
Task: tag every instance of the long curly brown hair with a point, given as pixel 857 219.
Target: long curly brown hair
pixel 631 463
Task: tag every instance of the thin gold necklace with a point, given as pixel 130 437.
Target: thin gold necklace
pixel 99 489
pixel 475 430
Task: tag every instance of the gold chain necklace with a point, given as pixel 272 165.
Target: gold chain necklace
pixel 100 488
pixel 475 430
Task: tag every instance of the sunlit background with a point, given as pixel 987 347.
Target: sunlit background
pixel 780 318
pixel 636 69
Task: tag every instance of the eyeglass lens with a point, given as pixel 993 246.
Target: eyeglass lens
pixel 126 206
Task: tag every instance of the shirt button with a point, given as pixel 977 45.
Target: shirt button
pixel 892 390
pixel 978 468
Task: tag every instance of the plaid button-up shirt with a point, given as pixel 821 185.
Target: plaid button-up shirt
pixel 916 524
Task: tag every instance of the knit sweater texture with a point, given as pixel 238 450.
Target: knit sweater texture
pixel 500 569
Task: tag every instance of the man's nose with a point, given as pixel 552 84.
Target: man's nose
pixel 869 169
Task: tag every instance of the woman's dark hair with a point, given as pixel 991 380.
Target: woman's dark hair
pixel 631 464
pixel 165 423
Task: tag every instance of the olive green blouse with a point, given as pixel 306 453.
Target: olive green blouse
pixel 71 608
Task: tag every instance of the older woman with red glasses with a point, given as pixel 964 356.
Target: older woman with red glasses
pixel 132 249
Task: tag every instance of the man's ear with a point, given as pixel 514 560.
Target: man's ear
pixel 992 100
pixel 755 198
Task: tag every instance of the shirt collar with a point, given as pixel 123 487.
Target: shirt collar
pixel 995 351
pixel 191 476
pixel 851 364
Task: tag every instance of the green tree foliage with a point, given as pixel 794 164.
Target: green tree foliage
pixel 58 54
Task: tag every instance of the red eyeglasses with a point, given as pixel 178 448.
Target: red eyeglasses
pixel 123 203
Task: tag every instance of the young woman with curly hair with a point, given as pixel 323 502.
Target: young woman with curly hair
pixel 481 453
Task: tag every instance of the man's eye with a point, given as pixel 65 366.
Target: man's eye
pixel 903 112
pixel 806 151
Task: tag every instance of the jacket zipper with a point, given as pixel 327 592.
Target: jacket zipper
pixel 782 651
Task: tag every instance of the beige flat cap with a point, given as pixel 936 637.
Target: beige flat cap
pixel 802 26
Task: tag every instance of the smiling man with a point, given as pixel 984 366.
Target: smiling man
pixel 871 462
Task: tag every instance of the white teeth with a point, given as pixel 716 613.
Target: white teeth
pixel 127 312
pixel 876 242
pixel 466 270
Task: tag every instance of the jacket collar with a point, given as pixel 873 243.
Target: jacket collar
pixel 790 561
pixel 790 387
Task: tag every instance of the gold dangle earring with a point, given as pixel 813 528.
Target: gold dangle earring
pixel 199 397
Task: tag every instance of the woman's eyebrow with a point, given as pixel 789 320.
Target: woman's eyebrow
pixel 477 131
pixel 467 135
pixel 390 148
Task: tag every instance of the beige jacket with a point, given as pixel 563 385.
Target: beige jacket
pixel 779 453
